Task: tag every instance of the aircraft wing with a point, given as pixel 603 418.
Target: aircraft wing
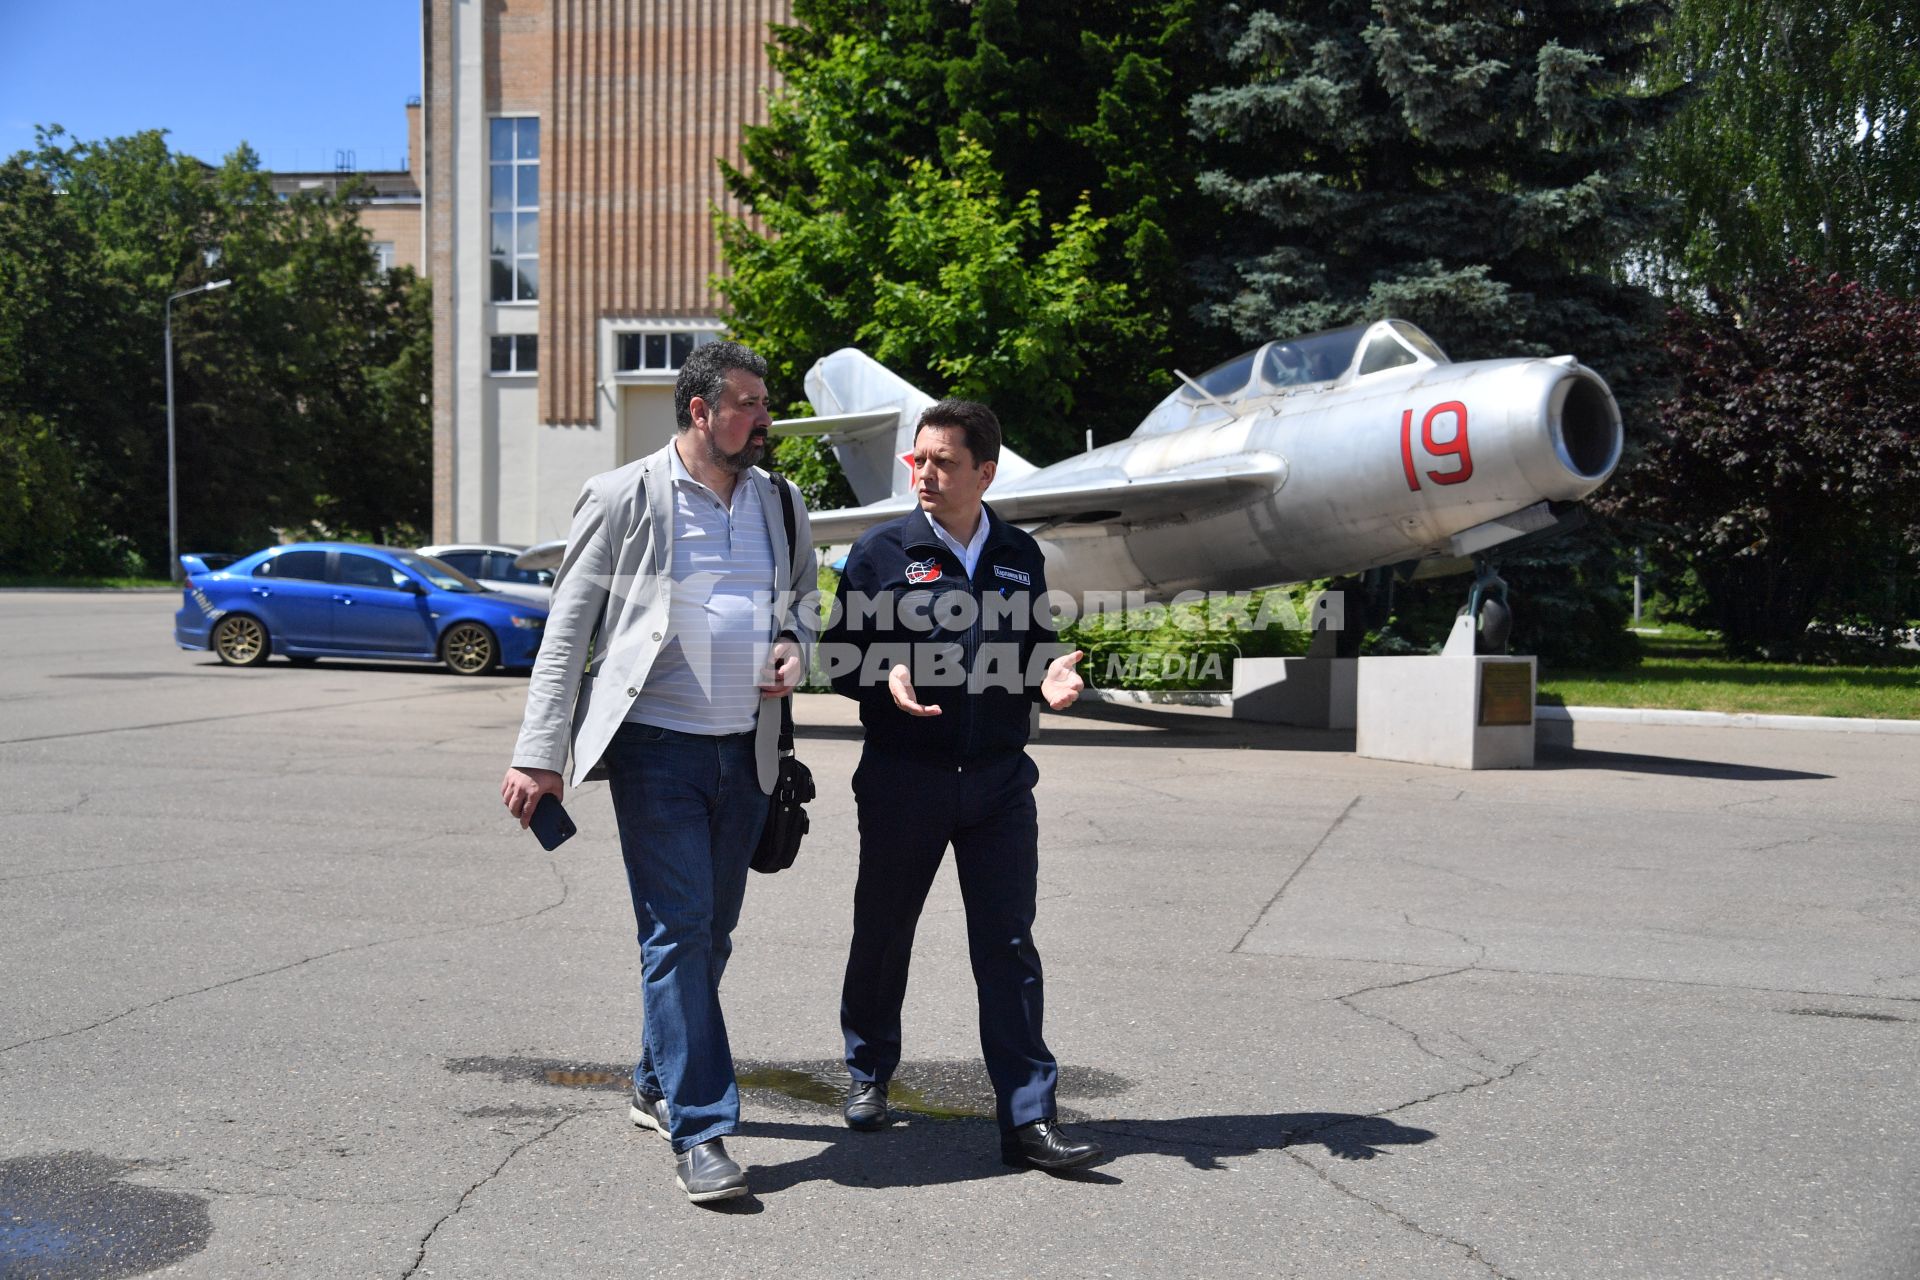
pixel 1103 497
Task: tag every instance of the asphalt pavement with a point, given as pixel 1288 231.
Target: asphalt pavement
pixel 286 993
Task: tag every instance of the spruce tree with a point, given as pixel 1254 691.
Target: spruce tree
pixel 1463 165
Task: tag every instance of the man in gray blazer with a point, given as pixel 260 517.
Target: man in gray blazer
pixel 680 585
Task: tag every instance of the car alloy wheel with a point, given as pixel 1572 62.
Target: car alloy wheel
pixel 240 641
pixel 469 649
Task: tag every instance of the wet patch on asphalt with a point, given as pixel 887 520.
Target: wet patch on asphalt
pixel 69 1215
pixel 928 1090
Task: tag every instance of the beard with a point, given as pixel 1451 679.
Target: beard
pixel 736 463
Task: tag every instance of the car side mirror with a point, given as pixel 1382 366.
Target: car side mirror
pixel 413 588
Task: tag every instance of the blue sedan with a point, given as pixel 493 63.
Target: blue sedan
pixel 314 600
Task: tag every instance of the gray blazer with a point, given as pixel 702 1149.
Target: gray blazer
pixel 610 600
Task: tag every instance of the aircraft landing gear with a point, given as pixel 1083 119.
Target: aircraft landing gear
pixel 1487 606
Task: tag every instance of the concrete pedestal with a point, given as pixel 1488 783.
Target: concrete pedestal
pixel 1458 710
pixel 1315 693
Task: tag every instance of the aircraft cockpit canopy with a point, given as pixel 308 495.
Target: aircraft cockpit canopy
pixel 1315 359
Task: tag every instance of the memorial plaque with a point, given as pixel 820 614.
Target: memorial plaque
pixel 1506 693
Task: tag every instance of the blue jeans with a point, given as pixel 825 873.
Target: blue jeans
pixel 690 811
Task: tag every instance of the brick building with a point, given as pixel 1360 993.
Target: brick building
pixel 568 170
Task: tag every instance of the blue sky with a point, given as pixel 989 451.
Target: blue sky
pixel 296 79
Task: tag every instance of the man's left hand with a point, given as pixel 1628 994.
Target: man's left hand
pixel 783 672
pixel 1063 684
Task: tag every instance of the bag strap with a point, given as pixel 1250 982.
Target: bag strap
pixel 793 553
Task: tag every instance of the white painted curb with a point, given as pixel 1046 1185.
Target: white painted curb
pixel 1723 720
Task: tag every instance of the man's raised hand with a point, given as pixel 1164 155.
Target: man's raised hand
pixel 900 685
pixel 1062 685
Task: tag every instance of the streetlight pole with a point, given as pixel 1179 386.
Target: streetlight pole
pixel 173 487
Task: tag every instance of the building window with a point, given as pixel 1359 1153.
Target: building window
pixel 658 350
pixel 383 255
pixel 516 353
pixel 514 208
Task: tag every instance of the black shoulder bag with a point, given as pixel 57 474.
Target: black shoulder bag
pixel 787 818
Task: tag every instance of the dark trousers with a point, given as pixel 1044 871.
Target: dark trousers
pixel 909 812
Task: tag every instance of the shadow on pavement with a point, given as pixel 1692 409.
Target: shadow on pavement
pixel 916 1153
pixel 1671 766
pixel 1108 724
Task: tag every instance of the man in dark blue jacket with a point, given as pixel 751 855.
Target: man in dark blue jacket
pixel 941 633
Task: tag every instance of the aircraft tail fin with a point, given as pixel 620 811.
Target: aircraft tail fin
pixel 868 414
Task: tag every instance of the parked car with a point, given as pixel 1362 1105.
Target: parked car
pixel 312 600
pixel 492 566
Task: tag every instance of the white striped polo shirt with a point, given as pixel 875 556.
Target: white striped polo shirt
pixel 707 677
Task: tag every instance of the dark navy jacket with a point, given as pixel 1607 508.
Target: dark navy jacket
pixel 978 648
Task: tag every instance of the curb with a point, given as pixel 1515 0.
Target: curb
pixel 1722 720
pixel 1565 715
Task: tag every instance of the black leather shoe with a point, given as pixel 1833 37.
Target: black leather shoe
pixel 866 1105
pixel 706 1174
pixel 1044 1145
pixel 649 1113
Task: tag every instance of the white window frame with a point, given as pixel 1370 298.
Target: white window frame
pixel 514 211
pixel 701 332
pixel 513 369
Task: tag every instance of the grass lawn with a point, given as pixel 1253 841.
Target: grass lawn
pixel 1685 670
pixel 116 584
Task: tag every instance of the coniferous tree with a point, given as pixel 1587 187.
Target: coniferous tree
pixel 1466 166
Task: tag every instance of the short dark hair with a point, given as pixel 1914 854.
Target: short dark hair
pixel 705 375
pixel 970 418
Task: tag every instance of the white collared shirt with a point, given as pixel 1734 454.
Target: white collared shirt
pixel 969 554
pixel 707 677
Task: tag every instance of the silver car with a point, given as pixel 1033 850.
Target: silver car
pixel 491 565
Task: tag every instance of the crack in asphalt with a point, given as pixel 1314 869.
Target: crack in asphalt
pixel 552 864
pixel 1472 1251
pixel 1291 876
pixel 426 1240
pixel 1414 1037
pixel 1585 977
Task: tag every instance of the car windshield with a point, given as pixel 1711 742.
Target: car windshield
pixel 443 576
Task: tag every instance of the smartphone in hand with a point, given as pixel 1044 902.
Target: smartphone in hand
pixel 550 823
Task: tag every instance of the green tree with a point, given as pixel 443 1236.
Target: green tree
pixel 1790 455
pixel 291 409
pixel 1013 176
pixel 1800 140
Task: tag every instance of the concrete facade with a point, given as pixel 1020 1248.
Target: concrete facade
pixel 570 169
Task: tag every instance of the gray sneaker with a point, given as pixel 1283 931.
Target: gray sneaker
pixel 649 1113
pixel 706 1174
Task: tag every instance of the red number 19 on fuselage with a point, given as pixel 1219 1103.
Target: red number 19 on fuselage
pixel 1454 446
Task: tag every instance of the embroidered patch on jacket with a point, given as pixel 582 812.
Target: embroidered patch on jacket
pixel 919 571
pixel 1013 575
